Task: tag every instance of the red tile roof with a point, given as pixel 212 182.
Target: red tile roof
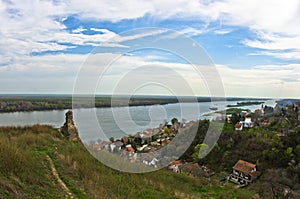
pixel 245 167
pixel 258 111
pixel 130 149
pixel 238 125
pixel 166 141
pixel 176 162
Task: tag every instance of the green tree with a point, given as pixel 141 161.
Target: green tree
pixel 289 152
pixel 174 120
pixel 297 151
pixel 112 139
pixel 167 132
pixel 235 118
pixel 200 151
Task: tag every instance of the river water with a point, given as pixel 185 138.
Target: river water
pixel 102 123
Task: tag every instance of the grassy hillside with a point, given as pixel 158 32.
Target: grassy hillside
pixel 38 162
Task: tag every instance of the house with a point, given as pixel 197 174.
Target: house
pixel 165 141
pixel 169 125
pixel 103 145
pixel 244 173
pixel 116 146
pixel 145 146
pixel 130 149
pixel 244 113
pixel 176 126
pixel 149 159
pixel 155 143
pixel 95 147
pixel 248 122
pixel 238 126
pixel 259 112
pixel 174 166
pixel 144 137
pixel 154 162
pixel 228 118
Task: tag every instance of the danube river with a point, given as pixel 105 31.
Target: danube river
pixel 102 123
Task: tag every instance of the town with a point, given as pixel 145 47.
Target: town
pixel 277 120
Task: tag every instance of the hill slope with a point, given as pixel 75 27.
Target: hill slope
pixel 39 162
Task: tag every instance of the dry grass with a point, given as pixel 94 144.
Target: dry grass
pixel 25 171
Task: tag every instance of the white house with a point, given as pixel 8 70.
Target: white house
pixel 116 146
pixel 244 172
pixel 248 122
pixel 174 166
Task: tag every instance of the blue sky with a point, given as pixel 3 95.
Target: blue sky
pixel 255 45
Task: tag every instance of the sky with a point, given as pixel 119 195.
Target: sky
pixel 252 48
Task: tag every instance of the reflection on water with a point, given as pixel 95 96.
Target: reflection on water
pixel 95 123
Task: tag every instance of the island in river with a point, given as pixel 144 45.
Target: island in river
pixel 248 103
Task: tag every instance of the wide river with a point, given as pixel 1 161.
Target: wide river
pixel 102 123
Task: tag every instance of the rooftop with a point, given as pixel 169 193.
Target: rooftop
pixel 245 167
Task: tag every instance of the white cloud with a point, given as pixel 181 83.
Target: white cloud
pixel 48 72
pixel 274 42
pixel 292 55
pixel 138 35
pixel 266 81
pixel 37 26
pixel 283 47
pixel 271 16
pixel 38 21
pixel 190 32
pixel 79 30
pixel 276 24
pixel 222 31
pixel 43 66
pixel 81 39
pixel 100 30
pixel 116 40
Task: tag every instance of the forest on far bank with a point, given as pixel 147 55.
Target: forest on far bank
pixel 22 103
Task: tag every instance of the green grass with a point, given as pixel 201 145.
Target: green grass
pixel 25 172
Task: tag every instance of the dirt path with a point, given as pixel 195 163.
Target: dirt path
pixel 59 180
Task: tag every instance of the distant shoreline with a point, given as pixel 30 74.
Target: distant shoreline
pixel 44 102
pixel 247 103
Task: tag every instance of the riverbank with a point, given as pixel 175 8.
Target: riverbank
pixel 248 103
pixel 227 111
pixel 71 171
pixel 27 103
pixel 56 102
pixel 89 119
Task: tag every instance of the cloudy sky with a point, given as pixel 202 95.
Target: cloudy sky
pixel 254 45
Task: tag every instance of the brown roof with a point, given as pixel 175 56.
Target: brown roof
pixel 176 162
pixel 130 149
pixel 258 111
pixel 243 166
pixel 238 125
pixel 166 141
